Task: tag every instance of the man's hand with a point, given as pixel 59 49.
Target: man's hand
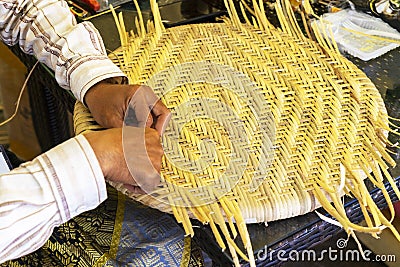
pixel 108 103
pixel 107 145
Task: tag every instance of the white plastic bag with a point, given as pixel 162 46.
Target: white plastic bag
pixel 359 34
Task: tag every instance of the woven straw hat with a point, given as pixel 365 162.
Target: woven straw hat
pixel 267 124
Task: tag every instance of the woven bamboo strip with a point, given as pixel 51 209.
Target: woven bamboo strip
pixel 324 120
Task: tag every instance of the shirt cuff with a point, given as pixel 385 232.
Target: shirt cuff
pixel 89 71
pixel 75 176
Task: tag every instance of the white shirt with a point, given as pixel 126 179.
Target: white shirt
pixel 46 192
pixel 47 29
pixel 66 180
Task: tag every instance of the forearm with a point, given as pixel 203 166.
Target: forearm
pixel 48 30
pixel 45 193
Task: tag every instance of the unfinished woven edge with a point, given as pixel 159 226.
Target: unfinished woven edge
pixel 327 196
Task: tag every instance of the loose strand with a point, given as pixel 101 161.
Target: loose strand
pixel 20 96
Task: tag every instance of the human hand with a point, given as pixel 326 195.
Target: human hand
pixel 139 171
pixel 108 103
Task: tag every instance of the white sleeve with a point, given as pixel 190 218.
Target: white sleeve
pixel 46 192
pixel 48 30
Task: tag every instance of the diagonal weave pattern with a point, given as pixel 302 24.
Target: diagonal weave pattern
pixel 293 124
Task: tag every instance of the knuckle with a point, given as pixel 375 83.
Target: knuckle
pixel 155 180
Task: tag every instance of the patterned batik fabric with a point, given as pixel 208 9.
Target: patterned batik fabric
pixel 120 232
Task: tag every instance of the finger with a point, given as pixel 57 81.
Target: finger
pixel 161 122
pixel 139 112
pixel 143 156
pixel 154 149
pixel 162 116
pixel 149 121
pixel 142 102
pixel 134 189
